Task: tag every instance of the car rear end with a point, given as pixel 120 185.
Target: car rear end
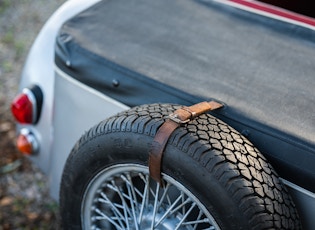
pixel 58 104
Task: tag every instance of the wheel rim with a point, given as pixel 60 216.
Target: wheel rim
pixel 123 197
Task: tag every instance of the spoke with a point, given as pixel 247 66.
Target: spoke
pixel 144 196
pixel 121 195
pixel 165 194
pixel 169 200
pixel 210 228
pixel 114 208
pixel 185 216
pixel 184 207
pixel 181 205
pixel 196 222
pixel 126 208
pixel 104 216
pixel 198 218
pixel 169 210
pixel 147 180
pixel 128 180
pixel 132 194
pixel 116 189
pixel 119 219
pixel 101 200
pixel 155 204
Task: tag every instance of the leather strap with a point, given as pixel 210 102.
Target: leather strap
pixel 174 120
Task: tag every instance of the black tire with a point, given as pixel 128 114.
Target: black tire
pixel 226 176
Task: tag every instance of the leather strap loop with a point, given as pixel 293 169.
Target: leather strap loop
pixel 157 149
pixel 179 117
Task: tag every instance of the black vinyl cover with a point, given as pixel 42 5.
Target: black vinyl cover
pixel 185 51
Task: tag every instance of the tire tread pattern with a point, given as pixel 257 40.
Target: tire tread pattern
pixel 235 162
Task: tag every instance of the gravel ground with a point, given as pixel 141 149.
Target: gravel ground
pixel 24 199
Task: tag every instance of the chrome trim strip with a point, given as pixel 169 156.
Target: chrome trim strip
pixel 33 100
pixel 298 188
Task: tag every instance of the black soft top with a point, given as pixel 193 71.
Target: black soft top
pixel 184 51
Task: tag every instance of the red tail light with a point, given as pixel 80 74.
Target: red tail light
pixel 22 109
pixel 27 105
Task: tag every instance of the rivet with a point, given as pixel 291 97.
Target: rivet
pixel 115 82
pixel 245 132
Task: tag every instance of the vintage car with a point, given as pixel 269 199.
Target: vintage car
pixel 184 114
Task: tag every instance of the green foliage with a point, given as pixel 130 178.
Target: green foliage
pixel 8 37
pixel 10 40
pixel 19 49
pixel 4 4
pixel 7 66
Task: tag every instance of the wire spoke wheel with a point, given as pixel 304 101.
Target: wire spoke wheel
pixel 124 197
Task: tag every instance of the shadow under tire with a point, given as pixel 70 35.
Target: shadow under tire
pixel 214 178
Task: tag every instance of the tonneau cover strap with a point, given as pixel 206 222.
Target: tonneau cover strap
pixel 174 120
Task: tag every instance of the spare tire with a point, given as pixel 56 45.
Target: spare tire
pixel 214 178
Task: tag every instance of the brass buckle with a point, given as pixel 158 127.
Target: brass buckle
pixel 174 117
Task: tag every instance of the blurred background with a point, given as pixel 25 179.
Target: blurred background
pixel 24 198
